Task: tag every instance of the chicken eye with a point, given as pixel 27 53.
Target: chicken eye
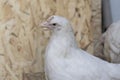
pixel 54 24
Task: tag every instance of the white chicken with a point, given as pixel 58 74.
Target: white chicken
pixel 112 43
pixel 65 61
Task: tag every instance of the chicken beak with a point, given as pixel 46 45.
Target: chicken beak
pixel 44 25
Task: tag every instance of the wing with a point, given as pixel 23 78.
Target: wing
pixel 82 65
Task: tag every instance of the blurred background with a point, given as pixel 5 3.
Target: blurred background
pixel 110 12
pixel 23 42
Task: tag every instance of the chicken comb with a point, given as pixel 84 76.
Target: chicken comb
pixel 49 19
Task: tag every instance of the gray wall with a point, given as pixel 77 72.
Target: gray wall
pixel 106 14
pixel 110 12
pixel 115 10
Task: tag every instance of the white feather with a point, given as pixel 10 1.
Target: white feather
pixel 112 42
pixel 65 61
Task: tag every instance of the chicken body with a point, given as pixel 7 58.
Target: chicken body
pixel 112 43
pixel 65 61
